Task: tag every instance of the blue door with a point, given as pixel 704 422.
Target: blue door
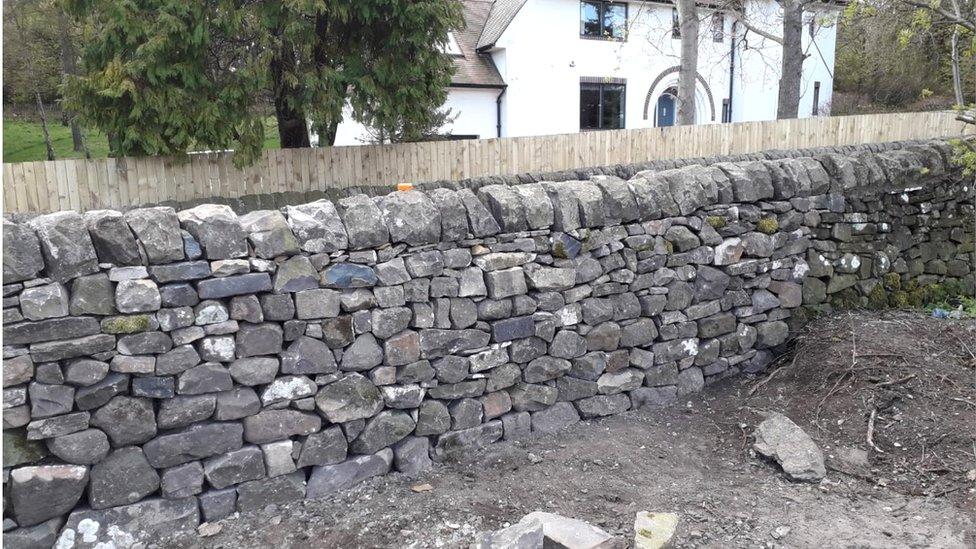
pixel 665 110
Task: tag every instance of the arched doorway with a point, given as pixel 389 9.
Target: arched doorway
pixel 665 114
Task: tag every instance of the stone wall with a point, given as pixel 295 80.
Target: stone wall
pixel 164 368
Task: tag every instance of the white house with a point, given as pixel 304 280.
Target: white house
pixel 537 67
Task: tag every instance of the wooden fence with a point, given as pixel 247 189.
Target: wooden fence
pixel 124 182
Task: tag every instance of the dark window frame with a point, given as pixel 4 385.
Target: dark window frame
pixel 675 24
pixel 601 6
pixel 815 111
pixel 602 84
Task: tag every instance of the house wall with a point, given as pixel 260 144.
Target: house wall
pixel 544 58
pixel 758 60
pixel 476 110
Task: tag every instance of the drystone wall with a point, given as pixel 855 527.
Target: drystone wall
pixel 165 368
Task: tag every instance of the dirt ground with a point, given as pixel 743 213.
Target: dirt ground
pixel 909 376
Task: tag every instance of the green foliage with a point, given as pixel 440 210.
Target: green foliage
pixel 163 76
pixel 31 51
pixel 767 225
pixel 24 142
pixel 964 154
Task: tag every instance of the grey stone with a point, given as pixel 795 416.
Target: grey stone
pixel 503 377
pixel 193 443
pixel 51 351
pixel 329 479
pixel 771 334
pixel 653 396
pixel 178 360
pixel 509 329
pixel 178 295
pixel 175 318
pixel 20 450
pixel 286 389
pixel 411 217
pixel 258 494
pixel 385 429
pixel 465 413
pixel 43 492
pixel 158 230
pixel 137 296
pixel 388 322
pixel 97 394
pixel 402 396
pixel 603 405
pixel 438 343
pixel 603 337
pixel 317 227
pixel 145 343
pixel 350 398
pixel 549 278
pixel 456 444
pixel 363 221
pixel 254 371
pixel 55 426
pixel 180 272
pixel 67 248
pixel 126 420
pixel 246 308
pixel 506 207
pixel 140 522
pixel 364 354
pixel 251 283
pixel 348 275
pixel 269 233
pixel 22 258
pixel 84 372
pixel 277 307
pixel 258 339
pixel 79 448
pixel 454 219
pixel 92 295
pixel 47 301
pixel 527 397
pixel 181 411
pixel 308 356
pixel 133 364
pixel 237 403
pixel 113 240
pixel 326 447
pixel 567 344
pixel 480 220
pixel 690 380
pixel 208 377
pixel 516 425
pixel 279 457
pixel 411 456
pixel 217 229
pixel 272 425
pixel 557 417
pixel 218 504
pixel 545 368
pixel 433 418
pixel 122 478
pixel 320 303
pixel 234 467
pixel 47 330
pixel 638 334
pixel 778 438
pixel 154 387
pixel 182 481
pixel 44 534
pixel 627 379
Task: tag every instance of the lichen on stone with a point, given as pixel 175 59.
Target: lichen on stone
pixel 767 225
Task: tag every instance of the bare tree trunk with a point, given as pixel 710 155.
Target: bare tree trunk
pixel 788 103
pixel 956 76
pixel 292 126
pixel 68 68
pixel 47 136
pixel 688 16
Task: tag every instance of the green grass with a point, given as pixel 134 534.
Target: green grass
pixel 23 141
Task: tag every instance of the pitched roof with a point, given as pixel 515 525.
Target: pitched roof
pixel 473 68
pixel 502 13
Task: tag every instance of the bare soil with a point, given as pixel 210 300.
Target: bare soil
pixel 915 375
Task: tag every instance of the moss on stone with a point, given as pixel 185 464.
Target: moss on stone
pixel 878 297
pixel 848 298
pixel 892 281
pixel 899 299
pixel 767 225
pixel 669 246
pixel 716 221
pixel 125 324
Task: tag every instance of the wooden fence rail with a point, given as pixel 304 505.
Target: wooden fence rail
pixel 125 182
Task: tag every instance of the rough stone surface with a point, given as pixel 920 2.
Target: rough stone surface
pixel 778 438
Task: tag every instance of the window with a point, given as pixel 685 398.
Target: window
pixel 602 105
pixel 718 26
pixel 675 24
pixel 813 25
pixel 816 98
pixel 603 19
pixel 452 47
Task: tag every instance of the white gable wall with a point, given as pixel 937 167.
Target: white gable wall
pixel 545 57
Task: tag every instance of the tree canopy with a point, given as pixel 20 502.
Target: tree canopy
pixel 164 76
